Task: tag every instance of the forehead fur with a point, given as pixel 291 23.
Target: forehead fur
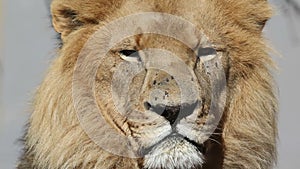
pixel 222 20
pixel 235 24
pixel 245 12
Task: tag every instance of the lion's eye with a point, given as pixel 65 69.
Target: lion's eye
pixel 130 55
pixel 207 53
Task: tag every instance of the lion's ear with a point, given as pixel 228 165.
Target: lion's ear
pixel 262 11
pixel 64 20
pixel 251 14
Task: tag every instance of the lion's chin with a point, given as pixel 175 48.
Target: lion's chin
pixel 174 153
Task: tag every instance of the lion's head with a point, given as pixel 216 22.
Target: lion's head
pixel 156 84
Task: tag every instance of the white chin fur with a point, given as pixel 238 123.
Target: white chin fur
pixel 174 153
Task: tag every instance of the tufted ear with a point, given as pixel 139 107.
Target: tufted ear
pixel 64 20
pixel 263 11
pixel 255 13
pixel 262 24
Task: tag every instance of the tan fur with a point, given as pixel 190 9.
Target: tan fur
pixel 55 139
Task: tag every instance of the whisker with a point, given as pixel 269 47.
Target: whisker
pixel 215 141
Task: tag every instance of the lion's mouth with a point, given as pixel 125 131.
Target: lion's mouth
pixel 174 135
pixel 174 114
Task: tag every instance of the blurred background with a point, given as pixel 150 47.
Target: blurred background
pixel 27 45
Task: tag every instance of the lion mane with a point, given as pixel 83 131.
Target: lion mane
pixel 247 133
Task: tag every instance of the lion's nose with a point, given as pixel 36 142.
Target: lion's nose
pixel 172 113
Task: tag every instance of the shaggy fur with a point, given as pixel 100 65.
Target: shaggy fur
pixel 55 139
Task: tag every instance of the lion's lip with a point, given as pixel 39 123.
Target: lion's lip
pixel 200 147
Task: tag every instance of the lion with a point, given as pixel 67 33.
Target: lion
pixel 215 106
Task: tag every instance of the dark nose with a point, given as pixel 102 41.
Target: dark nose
pixel 172 113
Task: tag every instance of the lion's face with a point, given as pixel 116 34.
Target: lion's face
pixel 166 104
pixel 161 96
pixel 157 91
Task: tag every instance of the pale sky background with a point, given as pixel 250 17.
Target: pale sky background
pixel 28 46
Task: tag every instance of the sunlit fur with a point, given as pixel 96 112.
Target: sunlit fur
pixel 248 129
